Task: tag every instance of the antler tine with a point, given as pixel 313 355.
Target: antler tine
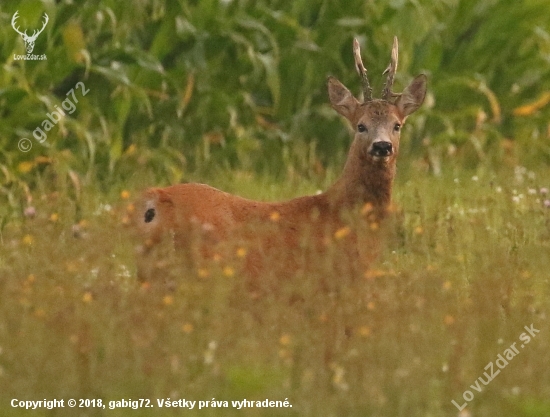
pixel 362 71
pixel 13 23
pixel 46 20
pixel 392 67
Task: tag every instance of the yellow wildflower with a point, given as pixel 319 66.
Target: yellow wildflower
pixel 187 328
pixel 28 240
pixel 25 166
pixel 285 339
pixel 203 272
pixel 367 208
pixel 342 232
pixel 364 331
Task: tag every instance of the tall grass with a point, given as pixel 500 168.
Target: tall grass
pixel 454 288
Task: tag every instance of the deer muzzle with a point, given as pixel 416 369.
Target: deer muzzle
pixel 381 149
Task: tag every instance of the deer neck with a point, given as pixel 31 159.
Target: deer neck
pixel 363 181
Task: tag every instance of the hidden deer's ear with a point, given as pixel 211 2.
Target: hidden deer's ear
pixel 413 96
pixel 341 99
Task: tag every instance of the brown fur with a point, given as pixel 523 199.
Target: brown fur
pixel 201 220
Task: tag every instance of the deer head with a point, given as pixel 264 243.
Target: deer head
pixel 377 122
pixel 29 40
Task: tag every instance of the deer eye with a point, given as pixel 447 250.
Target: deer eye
pixel 149 215
pixel 361 128
pixel 397 127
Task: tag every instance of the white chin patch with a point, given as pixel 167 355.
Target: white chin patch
pixel 381 158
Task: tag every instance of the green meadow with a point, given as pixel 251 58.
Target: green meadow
pixel 451 320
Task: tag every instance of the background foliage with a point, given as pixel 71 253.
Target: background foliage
pixel 177 87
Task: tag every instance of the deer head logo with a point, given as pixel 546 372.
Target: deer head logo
pixel 29 40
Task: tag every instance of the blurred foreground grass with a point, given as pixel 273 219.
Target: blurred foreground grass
pixel 468 270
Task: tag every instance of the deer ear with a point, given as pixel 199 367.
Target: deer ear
pixel 413 96
pixel 341 99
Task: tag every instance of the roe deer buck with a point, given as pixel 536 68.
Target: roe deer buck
pixel 197 218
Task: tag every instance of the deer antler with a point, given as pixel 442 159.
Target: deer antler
pixel 362 71
pixel 387 94
pixel 13 19
pixel 37 32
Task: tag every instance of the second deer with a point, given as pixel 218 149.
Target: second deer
pixel 199 220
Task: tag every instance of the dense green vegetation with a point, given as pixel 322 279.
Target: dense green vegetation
pixel 233 93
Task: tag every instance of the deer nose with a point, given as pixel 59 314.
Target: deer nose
pixel 381 148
